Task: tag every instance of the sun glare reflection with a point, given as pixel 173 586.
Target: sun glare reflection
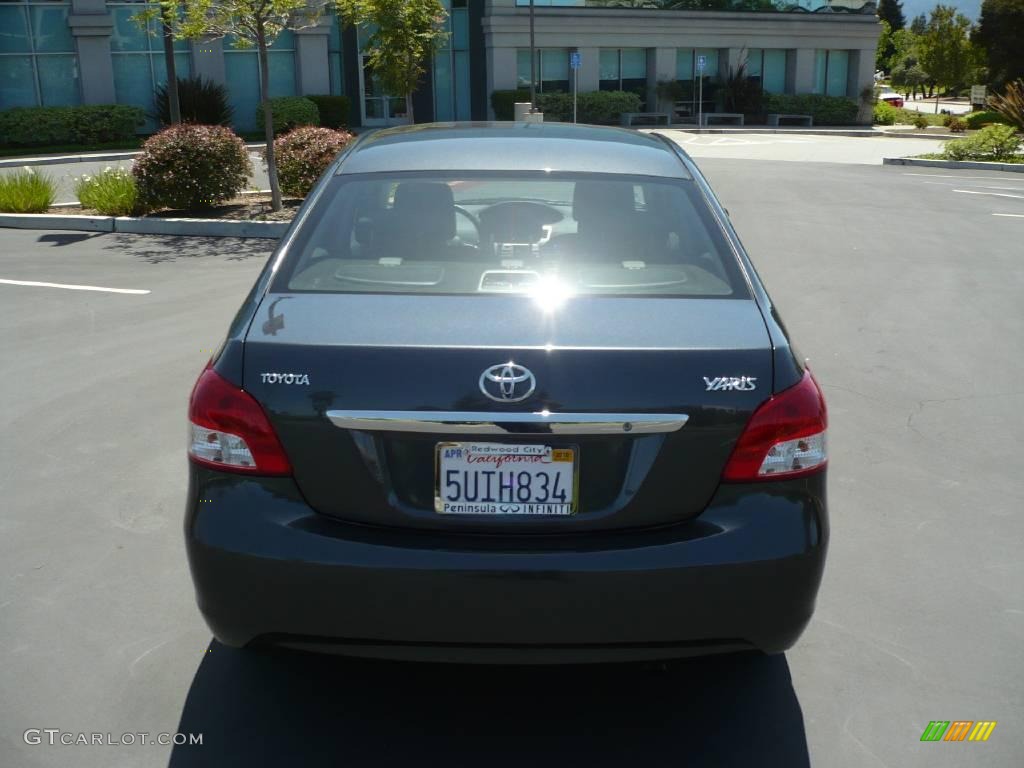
pixel 550 294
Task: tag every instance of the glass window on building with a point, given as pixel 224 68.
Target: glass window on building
pixel 684 64
pixel 838 66
pixel 773 73
pixel 137 54
pixel 694 89
pixel 755 63
pixel 335 59
pixel 768 67
pixel 38 63
pixel 552 69
pixel 242 73
pixel 451 66
pixel 687 61
pixel 710 62
pixel 830 72
pixel 623 69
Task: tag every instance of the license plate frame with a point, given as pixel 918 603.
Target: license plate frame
pixel 566 476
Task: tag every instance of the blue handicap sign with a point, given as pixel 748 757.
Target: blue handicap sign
pixel 702 63
pixel 574 60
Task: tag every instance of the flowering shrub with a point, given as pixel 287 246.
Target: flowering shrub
pixel 303 154
pixel 112 193
pixel 26 191
pixel 957 125
pixel 191 166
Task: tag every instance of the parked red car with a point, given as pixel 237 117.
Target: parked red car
pixel 892 98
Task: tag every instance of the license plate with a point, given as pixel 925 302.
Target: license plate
pixel 503 479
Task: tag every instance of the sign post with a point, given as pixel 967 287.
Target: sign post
pixel 978 95
pixel 702 61
pixel 574 62
pixel 533 66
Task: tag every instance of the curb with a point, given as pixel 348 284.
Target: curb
pixel 974 165
pixel 20 162
pixel 146 226
pixel 98 157
pixel 57 221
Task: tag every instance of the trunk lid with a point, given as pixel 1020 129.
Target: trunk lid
pixel 594 355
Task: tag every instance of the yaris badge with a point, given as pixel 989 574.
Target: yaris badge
pixel 735 383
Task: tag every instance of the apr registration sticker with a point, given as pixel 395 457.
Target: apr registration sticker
pixel 504 479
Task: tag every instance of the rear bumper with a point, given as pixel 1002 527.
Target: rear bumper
pixel 267 568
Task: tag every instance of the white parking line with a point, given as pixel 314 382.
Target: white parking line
pixel 966 178
pixel 977 186
pixel 990 194
pixel 1010 215
pixel 35 284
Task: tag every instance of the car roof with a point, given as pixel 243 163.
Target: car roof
pixel 514 147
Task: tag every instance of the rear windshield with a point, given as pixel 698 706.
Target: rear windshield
pixel 523 233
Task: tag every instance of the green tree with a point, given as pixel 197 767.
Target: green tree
pixel 165 13
pixel 905 44
pixel 1000 33
pixel 884 50
pixel 891 12
pixel 919 24
pixel 403 36
pixel 945 49
pixel 252 23
pixel 907 76
pixel 905 71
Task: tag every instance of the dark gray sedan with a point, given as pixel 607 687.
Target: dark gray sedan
pixel 508 393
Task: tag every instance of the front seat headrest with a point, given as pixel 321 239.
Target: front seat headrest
pixel 424 210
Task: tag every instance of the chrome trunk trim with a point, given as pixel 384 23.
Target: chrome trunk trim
pixel 494 423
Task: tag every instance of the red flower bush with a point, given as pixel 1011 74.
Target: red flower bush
pixel 303 154
pixel 191 166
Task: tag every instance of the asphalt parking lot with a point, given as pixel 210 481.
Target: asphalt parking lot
pixel 903 287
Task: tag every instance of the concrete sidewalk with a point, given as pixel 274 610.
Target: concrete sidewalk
pixel 801 148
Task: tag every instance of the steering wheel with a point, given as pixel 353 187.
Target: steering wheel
pixel 472 220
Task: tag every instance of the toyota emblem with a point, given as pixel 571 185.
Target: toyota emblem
pixel 507 382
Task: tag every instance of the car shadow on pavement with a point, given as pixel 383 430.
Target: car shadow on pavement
pixel 67 238
pixel 283 708
pixel 157 249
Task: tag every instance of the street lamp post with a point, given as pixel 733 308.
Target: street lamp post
pixel 533 66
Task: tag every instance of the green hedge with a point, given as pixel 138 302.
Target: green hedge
pixel 885 114
pixel 981 119
pixel 591 107
pixel 826 110
pixel 600 107
pixel 91 124
pixel 289 112
pixel 502 102
pixel 333 110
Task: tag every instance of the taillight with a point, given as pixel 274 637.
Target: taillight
pixel 230 431
pixel 784 438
